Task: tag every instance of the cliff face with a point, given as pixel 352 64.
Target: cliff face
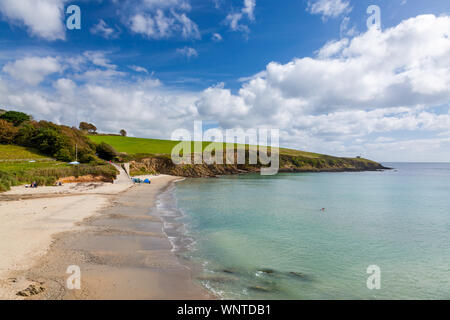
pixel 164 165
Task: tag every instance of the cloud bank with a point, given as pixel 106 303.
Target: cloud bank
pixel 353 96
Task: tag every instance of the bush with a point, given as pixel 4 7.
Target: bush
pixel 8 132
pixel 86 157
pixel 7 181
pixel 50 142
pixel 63 155
pixel 25 135
pixel 106 152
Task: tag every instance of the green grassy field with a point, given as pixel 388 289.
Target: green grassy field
pixel 11 153
pixel 141 145
pixel 152 146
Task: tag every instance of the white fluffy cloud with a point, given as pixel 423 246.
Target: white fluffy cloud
pixel 138 69
pixel 102 29
pixel 329 8
pixel 164 19
pixel 43 18
pixel 137 105
pixel 407 65
pixel 216 37
pixel 32 70
pixel 248 11
pixel 155 19
pixel 164 4
pixel 188 52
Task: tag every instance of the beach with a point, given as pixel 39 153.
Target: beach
pixel 107 231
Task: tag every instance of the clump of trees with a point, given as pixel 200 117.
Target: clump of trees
pixel 54 140
pixel 88 128
pixel 123 133
pixel 14 117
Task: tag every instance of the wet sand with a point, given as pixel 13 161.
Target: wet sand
pixel 122 253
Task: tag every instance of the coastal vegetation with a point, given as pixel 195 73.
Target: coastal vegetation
pixel 56 141
pixel 39 151
pixel 47 173
pixel 149 156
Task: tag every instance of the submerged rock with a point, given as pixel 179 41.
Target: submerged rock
pixel 267 271
pixel 299 275
pixel 229 271
pixel 217 279
pixel 260 289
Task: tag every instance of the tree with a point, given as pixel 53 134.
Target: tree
pixel 123 133
pixel 106 152
pixel 50 141
pixel 15 117
pixel 92 129
pixel 7 132
pixel 88 127
pixel 84 126
pixel 25 135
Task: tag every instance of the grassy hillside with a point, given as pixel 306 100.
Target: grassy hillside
pixel 136 145
pixel 141 145
pixel 151 156
pixel 14 153
pixel 153 146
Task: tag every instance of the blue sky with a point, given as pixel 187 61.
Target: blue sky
pixel 303 66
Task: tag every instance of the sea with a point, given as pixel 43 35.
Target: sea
pixel 353 235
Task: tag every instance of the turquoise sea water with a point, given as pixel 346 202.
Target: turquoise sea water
pixel 266 237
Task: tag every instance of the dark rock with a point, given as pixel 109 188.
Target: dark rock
pixel 229 271
pixel 259 288
pixel 267 271
pixel 32 290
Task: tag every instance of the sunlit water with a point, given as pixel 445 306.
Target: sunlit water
pixel 266 237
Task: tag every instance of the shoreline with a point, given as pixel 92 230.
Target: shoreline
pixel 120 247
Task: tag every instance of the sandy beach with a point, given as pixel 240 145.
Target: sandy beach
pixel 106 230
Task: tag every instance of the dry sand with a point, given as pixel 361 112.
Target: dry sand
pixel 105 229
